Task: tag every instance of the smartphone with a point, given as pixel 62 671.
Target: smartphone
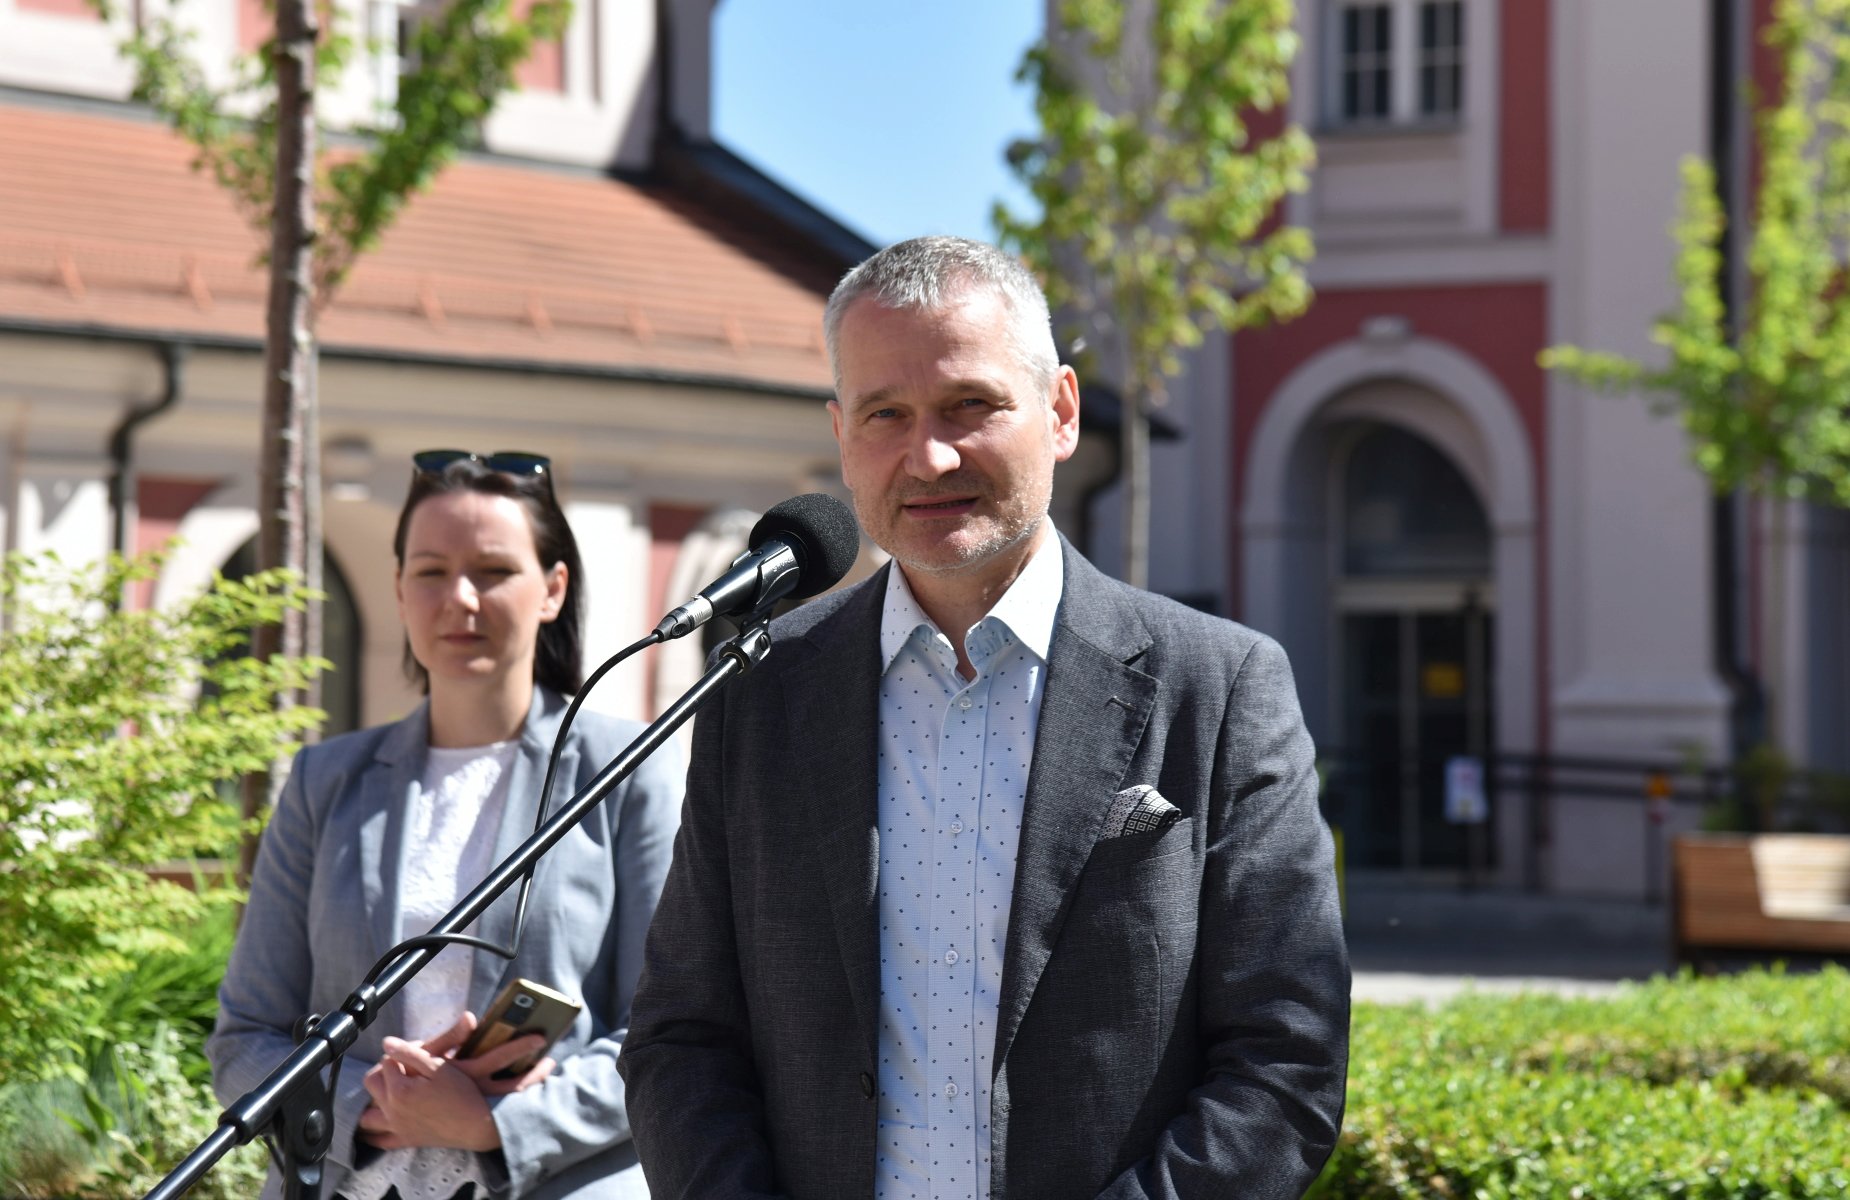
pixel 523 1007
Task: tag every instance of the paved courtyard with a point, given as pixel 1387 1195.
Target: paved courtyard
pixel 1411 941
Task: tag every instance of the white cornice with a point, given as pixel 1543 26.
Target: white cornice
pixel 1399 262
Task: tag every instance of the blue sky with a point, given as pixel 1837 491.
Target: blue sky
pixel 891 115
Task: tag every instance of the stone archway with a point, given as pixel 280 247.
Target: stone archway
pixel 1441 394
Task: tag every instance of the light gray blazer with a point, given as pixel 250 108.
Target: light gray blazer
pixel 324 906
pixel 1173 1019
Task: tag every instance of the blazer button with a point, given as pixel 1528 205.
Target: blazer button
pixel 867 1085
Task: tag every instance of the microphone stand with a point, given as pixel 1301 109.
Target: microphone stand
pixel 292 1103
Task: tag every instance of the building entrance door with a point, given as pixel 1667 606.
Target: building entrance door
pixel 1416 694
pixel 1413 602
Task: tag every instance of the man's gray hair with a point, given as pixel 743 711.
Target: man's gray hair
pixel 928 273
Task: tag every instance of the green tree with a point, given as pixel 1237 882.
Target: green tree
pixel 116 729
pixel 1762 390
pixel 322 210
pixel 1155 194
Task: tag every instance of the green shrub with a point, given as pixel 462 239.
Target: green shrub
pixel 142 1113
pixel 110 762
pixel 1698 1089
pixel 41 1153
pixel 177 988
pixel 110 1118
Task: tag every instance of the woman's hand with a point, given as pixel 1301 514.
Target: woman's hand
pixel 423 1095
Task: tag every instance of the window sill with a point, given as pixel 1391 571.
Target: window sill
pixel 1375 130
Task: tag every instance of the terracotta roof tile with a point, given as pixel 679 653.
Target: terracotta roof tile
pixel 103 223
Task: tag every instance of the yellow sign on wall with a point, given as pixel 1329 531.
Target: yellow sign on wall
pixel 1442 681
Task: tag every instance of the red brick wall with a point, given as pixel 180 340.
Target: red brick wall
pixel 255 22
pixel 161 504
pixel 1502 326
pixel 1523 127
pixel 61 8
pixel 669 525
pixel 543 70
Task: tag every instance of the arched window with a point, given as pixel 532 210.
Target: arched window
pixel 340 638
pixel 1408 513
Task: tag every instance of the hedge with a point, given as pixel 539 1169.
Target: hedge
pixel 1697 1089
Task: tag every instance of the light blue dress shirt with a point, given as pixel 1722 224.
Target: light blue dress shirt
pixel 954 759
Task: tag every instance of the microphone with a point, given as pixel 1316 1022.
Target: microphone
pixel 801 547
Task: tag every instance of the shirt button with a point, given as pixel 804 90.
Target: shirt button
pixel 957 827
pixel 950 1091
pixel 964 702
pixel 950 957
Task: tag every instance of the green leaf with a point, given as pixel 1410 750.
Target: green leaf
pixel 1154 183
pixel 1764 403
pixel 109 763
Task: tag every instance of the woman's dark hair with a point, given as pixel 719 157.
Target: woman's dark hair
pixel 558 654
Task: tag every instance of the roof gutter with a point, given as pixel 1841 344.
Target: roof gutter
pixel 122 441
pixel 511 366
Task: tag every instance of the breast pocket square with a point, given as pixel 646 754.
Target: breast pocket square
pixel 1139 809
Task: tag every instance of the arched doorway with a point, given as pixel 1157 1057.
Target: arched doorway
pixel 1290 531
pixel 1413 599
pixel 340 638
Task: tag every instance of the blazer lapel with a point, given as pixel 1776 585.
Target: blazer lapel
pixel 521 804
pixel 1093 714
pixel 396 767
pixel 834 714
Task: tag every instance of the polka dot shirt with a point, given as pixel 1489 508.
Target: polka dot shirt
pixel 953 762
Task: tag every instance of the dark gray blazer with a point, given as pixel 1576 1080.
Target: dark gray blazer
pixel 1175 1005
pixel 324 906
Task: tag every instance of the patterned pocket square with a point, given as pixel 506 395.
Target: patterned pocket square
pixel 1139 809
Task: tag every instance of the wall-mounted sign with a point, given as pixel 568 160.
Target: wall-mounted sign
pixel 1464 791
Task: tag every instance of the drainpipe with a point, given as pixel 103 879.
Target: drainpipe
pixel 666 126
pixel 121 442
pixel 1747 703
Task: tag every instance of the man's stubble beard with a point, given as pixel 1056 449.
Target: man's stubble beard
pixel 1008 536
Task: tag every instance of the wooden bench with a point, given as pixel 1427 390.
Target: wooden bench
pixel 1783 893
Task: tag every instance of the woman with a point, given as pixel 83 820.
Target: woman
pixel 379 832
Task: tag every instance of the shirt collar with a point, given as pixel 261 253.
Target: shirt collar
pixel 1027 609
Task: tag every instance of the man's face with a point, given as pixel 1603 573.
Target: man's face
pixel 947 443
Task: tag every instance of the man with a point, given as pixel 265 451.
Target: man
pixel 998 878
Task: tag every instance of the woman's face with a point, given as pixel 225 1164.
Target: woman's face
pixel 471 590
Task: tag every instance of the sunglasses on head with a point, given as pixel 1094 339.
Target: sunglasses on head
pixel 519 463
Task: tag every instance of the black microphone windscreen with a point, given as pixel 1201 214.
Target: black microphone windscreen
pixel 825 531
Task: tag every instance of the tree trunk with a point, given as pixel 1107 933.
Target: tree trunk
pixel 289 365
pixel 1134 471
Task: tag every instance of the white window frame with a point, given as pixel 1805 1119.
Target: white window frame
pixel 1404 65
pixel 382 18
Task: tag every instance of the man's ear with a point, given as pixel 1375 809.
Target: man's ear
pixel 1063 413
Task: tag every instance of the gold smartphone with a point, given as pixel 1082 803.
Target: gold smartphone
pixel 523 1007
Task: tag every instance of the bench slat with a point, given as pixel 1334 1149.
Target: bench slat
pixel 1768 893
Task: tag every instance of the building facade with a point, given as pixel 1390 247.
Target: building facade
pixel 601 282
pixel 1464 554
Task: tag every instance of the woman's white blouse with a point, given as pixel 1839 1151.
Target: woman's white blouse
pixel 452 825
